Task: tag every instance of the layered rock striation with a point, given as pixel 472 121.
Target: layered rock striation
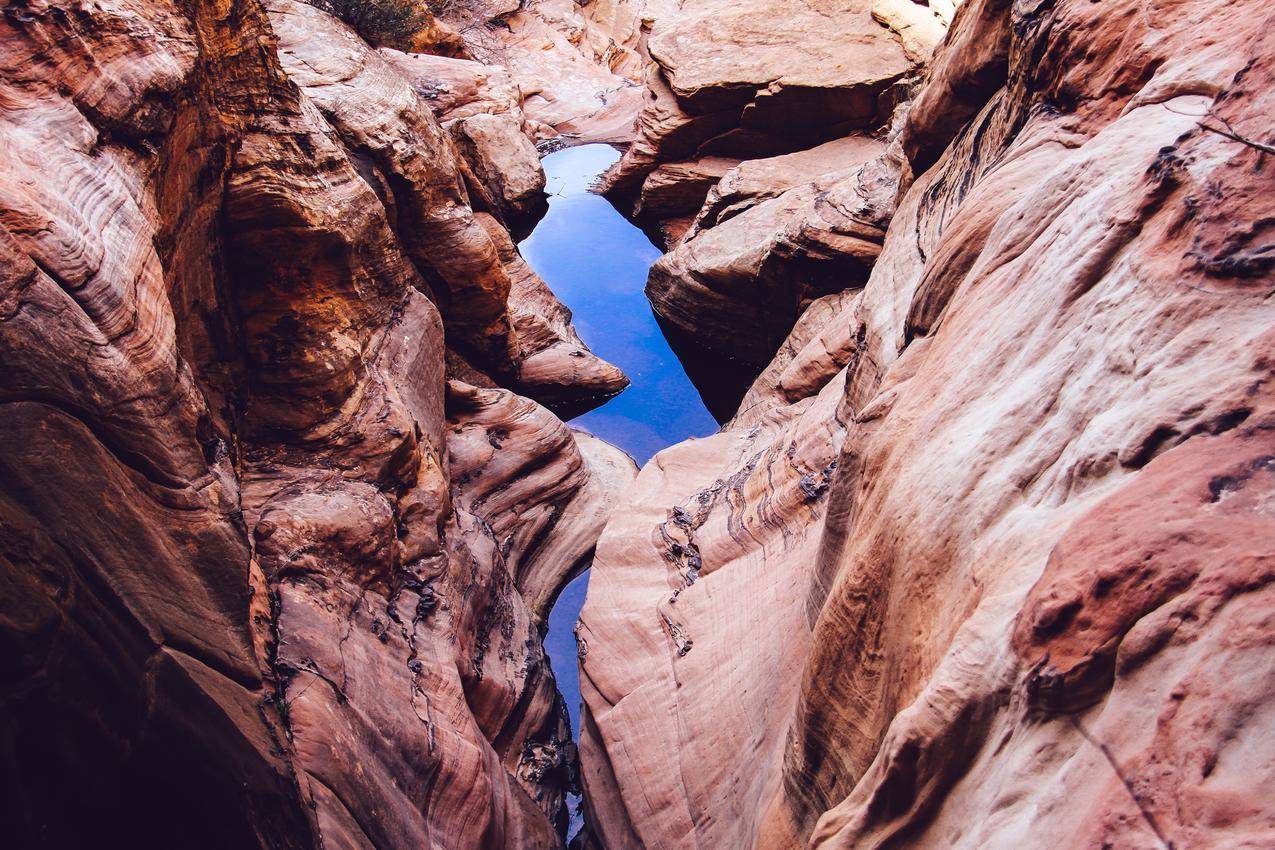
pixel 984 558
pixel 981 557
pixel 578 65
pixel 760 79
pixel 767 164
pixel 283 501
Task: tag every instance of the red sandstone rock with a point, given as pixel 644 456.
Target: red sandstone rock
pixel 468 266
pixel 578 64
pixel 774 235
pixel 807 101
pixel 758 271
pixel 759 79
pixel 1005 578
pixel 266 582
pixel 504 162
pixel 983 559
pixel 677 189
pixel 458 88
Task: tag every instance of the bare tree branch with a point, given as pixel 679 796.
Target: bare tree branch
pixel 1229 132
pixel 1147 814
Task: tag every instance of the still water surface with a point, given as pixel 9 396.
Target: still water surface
pixel 595 261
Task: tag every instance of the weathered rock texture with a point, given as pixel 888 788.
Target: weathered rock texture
pixel 269 579
pixel 771 238
pixel 579 65
pixel 505 164
pixel 761 78
pixel 767 163
pixel 986 559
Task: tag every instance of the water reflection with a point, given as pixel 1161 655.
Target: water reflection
pixel 595 261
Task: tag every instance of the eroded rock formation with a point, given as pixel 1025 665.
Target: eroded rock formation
pixel 982 558
pixel 985 557
pixel 767 170
pixel 578 65
pixel 275 571
pixel 728 80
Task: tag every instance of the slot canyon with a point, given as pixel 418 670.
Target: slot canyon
pixel 620 424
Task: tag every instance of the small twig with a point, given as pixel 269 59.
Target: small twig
pixel 1230 132
pixel 1235 137
pixel 1115 767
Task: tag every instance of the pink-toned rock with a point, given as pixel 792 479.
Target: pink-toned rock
pixel 918 26
pixel 578 64
pixel 458 88
pixel 505 162
pixel 679 188
pixel 467 266
pixel 717 54
pixel 802 215
pixel 266 582
pixel 553 362
pixel 1006 577
pixel 756 257
pixel 760 79
pixel 750 273
pixel 756 180
pixel 819 346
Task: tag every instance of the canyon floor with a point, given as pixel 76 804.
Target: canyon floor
pixel 637 424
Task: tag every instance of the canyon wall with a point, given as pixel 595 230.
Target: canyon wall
pixel 982 556
pixel 578 64
pixel 986 555
pixel 284 501
pixel 768 171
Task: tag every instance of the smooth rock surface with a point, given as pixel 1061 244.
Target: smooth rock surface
pixel 679 188
pixel 983 558
pixel 505 162
pixel 773 235
pixel 759 79
pixel 269 579
pixel 458 88
pixel 755 180
pixel 987 559
pixel 767 163
pixel 466 264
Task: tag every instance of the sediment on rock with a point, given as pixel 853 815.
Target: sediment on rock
pixel 982 553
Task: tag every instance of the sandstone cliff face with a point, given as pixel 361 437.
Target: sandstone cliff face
pixel 985 558
pixel 728 79
pixel 767 163
pixel 274 569
pixel 578 65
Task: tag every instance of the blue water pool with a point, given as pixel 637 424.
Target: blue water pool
pixel 596 262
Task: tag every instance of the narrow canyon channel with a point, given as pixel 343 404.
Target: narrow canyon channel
pixel 863 437
pixel 596 261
